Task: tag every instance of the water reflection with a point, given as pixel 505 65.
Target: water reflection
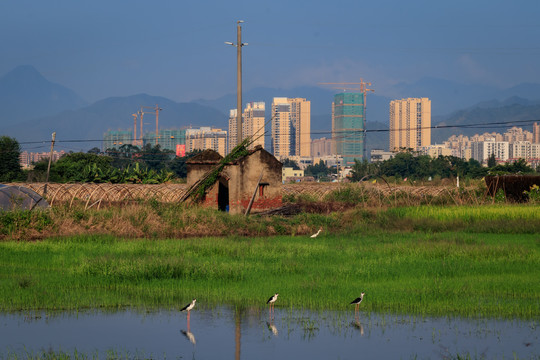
pixel 189 335
pixel 357 325
pixel 248 333
pixel 272 328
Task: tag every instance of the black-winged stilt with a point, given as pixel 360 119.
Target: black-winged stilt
pixel 272 300
pixel 357 301
pixel 189 306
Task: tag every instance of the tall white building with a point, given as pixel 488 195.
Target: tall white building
pixel 253 123
pixel 482 150
pixel 291 127
pixel 232 141
pixel 206 138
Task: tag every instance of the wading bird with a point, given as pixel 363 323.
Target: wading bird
pixel 189 306
pixel 357 301
pixel 316 234
pixel 272 300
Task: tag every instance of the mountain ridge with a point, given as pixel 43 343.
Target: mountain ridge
pixel 74 117
pixel 25 94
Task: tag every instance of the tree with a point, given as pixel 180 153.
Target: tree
pixel 74 167
pixel 178 164
pixel 155 158
pixel 94 150
pixel 492 162
pixel 518 167
pixel 318 170
pixel 291 163
pixel 10 167
pixel 363 169
pixel 123 156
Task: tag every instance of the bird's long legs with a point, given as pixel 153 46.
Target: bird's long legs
pixel 271 310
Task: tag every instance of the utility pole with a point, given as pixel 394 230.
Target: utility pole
pixel 238 45
pixel 364 90
pixel 49 166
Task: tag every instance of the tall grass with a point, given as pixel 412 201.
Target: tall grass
pixel 438 274
pixel 155 221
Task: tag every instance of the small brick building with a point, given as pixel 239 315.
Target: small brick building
pixel 238 181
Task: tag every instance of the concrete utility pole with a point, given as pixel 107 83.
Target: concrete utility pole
pixel 49 166
pixel 238 45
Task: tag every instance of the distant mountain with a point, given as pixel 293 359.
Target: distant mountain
pixel 527 91
pixel 512 109
pixel 514 100
pixel 449 96
pixel 25 94
pixel 446 96
pixel 33 107
pixel 89 123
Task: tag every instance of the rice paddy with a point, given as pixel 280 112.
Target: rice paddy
pixel 448 273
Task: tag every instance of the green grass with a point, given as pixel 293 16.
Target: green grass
pixel 466 274
pixel 158 221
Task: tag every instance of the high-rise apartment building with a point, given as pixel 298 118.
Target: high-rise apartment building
pixel 206 138
pixel 232 142
pixel 515 134
pixel 536 133
pixel 27 159
pixel 482 150
pixel 253 123
pixel 410 123
pixel 291 127
pixel 348 119
pixel 322 147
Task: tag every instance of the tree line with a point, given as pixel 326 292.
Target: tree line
pixel 152 165
pixel 127 164
pixel 407 165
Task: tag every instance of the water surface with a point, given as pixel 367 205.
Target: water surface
pixel 254 334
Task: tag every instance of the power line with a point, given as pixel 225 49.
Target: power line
pixel 320 132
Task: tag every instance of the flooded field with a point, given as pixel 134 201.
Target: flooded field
pixel 253 333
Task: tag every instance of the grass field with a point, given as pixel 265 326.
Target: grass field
pixel 434 273
pixel 157 221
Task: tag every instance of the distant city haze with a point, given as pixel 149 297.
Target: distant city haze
pixel 80 69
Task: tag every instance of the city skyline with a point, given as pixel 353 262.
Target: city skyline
pixel 176 50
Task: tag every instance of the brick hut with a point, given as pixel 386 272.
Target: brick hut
pixel 258 172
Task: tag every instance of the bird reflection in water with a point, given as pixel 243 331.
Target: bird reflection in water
pixel 272 328
pixel 189 335
pixel 357 325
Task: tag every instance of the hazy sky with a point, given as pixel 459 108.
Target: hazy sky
pixel 176 48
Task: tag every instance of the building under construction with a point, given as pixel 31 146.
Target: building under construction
pixel 168 139
pixel 348 125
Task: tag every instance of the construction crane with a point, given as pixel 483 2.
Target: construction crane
pixel 140 114
pixel 135 116
pixel 363 88
pixel 156 109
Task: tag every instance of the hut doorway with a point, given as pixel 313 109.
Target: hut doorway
pixel 223 194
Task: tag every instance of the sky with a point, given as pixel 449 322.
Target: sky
pixel 176 48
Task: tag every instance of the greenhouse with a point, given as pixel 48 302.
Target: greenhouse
pixel 20 198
